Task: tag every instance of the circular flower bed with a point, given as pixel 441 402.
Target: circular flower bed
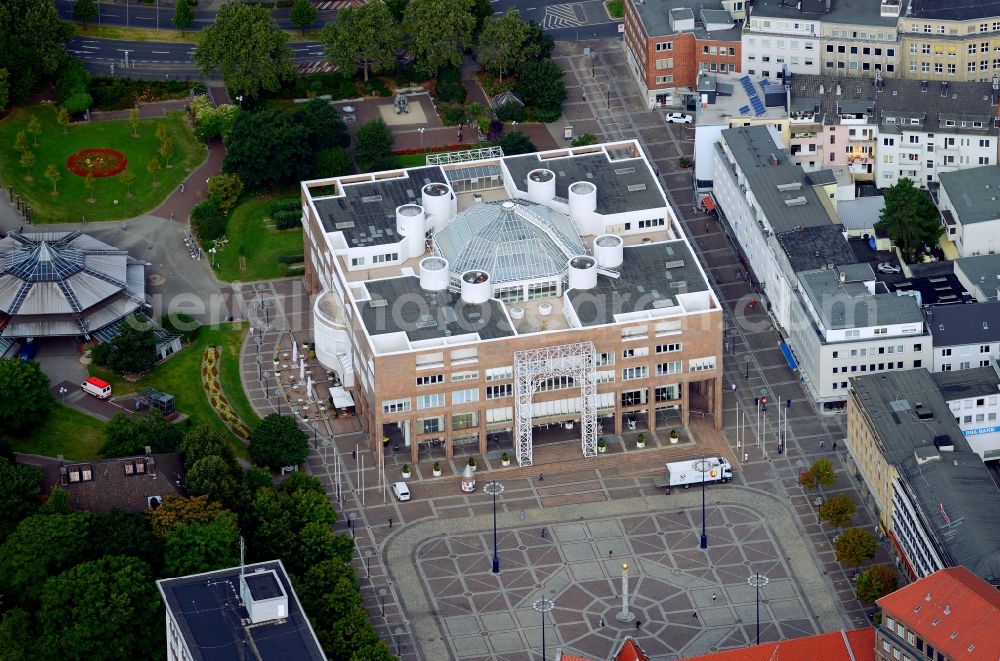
pixel 98 162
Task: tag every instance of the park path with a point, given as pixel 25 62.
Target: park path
pixel 194 189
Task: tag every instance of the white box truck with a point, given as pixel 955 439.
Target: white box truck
pixel 686 473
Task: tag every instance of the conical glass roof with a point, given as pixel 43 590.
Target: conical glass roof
pixel 511 240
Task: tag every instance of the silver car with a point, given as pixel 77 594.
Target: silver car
pixel 678 118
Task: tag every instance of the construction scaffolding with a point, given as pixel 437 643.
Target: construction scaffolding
pixel 532 367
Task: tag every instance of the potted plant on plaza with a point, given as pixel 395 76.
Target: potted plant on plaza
pixel 674 436
pixel 436 469
pixel 505 459
pixel 602 447
pixel 641 441
pixel 684 162
pixel 472 463
pixel 406 471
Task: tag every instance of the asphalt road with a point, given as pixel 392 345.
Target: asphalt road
pixel 165 56
pixel 145 16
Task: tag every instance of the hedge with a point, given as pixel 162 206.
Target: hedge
pixel 286 204
pixel 291 259
pixel 284 220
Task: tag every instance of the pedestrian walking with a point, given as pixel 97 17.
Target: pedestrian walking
pixel 182 186
pixel 638 624
pixel 835 445
pixel 390 521
pixel 600 621
pixel 543 533
pixel 713 596
pixel 788 404
pixel 521 515
pixel 734 387
pixel 822 442
pixel 354 454
pixel 541 477
pixel 611 553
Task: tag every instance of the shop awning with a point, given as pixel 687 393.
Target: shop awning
pixel 708 203
pixel 789 356
pixel 341 398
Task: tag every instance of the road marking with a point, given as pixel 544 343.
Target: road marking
pixel 91 47
pixel 563 16
pixel 160 52
pixel 110 15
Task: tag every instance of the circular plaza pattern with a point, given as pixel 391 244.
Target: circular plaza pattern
pixel 688 601
pixel 97 162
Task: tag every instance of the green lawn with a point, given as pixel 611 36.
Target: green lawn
pixel 615 8
pixel 250 230
pixel 181 377
pixel 66 432
pixel 54 148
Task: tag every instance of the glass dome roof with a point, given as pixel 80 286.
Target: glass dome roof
pixel 511 240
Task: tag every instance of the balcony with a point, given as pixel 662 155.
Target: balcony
pixel 860 137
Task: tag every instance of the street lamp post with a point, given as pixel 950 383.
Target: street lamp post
pixel 703 466
pixel 543 606
pixel 746 360
pixel 422 129
pixel 609 95
pixel 350 522
pixel 63 391
pixel 266 306
pixel 267 390
pixel 494 489
pixel 368 563
pixel 757 582
pixel 396 634
pixel 381 602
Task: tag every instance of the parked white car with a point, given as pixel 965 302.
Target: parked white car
pixel 401 491
pixel 888 267
pixel 678 118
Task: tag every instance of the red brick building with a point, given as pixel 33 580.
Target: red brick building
pixel 668 42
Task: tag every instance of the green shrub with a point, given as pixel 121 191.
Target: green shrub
pixel 452 113
pixel 113 93
pixel 78 103
pixel 448 92
pixel 208 220
pixel 408 76
pixel 284 220
pixel 286 204
pixel 375 86
pixel 510 112
pixel 72 80
pixel 291 259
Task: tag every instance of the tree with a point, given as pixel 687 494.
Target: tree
pixel 539 45
pixel 267 148
pixel 84 10
pixel 439 31
pixel 202 546
pixel 26 399
pixel 176 511
pixel 332 162
pixel 373 146
pixel 821 473
pixel 875 582
pixel 517 142
pixel 584 139
pixel 123 533
pixel 277 441
pixel 127 177
pixel 837 510
pixel 226 189
pixel 303 15
pixel 19 488
pixel 248 47
pixel 62 118
pixel 4 88
pixel 17 639
pixel 161 131
pixel 204 441
pixel 34 128
pixel 212 476
pixel 128 437
pixel 100 609
pixel 52 174
pixel 153 166
pixel 88 181
pixel 183 15
pixel 21 142
pixel 501 43
pixel 540 85
pixel 855 546
pixel 133 121
pixel 132 351
pixel 40 547
pixel 167 150
pixel 365 36
pixel 323 125
pixel 909 218
pixel 32 44
pixel 208 220
pixel 27 162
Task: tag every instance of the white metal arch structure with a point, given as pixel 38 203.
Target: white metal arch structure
pixel 533 366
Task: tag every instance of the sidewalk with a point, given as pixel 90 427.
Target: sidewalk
pixel 180 203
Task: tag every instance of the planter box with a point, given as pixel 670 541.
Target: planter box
pixel 640 445
pixel 602 448
pixel 406 476
pixel 505 463
pixel 673 441
pixel 436 473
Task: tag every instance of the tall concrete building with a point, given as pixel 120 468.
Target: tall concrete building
pixel 484 296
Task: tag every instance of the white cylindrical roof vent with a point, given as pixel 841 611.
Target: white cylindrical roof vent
pixel 582 201
pixel 516 312
pixel 541 185
pixel 434 273
pixel 609 249
pixel 544 309
pixel 410 224
pixel 438 203
pixel 582 272
pixel 477 287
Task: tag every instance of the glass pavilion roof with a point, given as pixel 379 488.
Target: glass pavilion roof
pixel 511 240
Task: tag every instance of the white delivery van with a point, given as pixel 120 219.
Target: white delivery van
pixel 99 388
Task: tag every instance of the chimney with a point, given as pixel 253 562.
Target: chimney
pixel 773 158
